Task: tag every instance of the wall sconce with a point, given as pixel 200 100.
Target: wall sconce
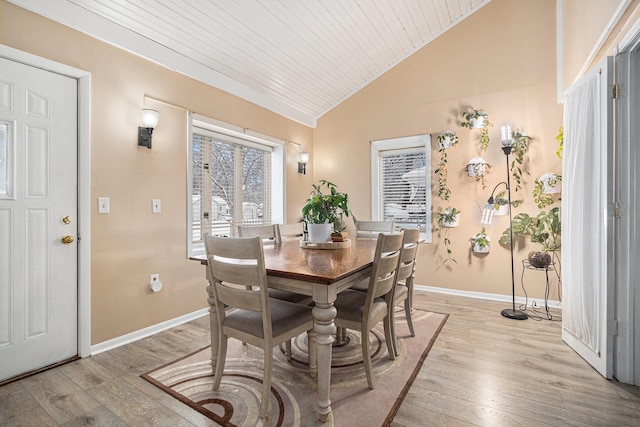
pixel 149 122
pixel 302 163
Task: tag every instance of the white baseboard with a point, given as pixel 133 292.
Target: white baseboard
pixel 151 330
pixel 146 332
pixel 539 303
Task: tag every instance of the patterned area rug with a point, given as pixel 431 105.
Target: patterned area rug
pixel 293 391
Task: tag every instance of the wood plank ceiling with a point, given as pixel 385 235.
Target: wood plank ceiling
pixel 299 58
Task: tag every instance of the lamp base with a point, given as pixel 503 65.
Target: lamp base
pixel 514 314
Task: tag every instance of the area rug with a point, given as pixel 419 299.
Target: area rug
pixel 293 391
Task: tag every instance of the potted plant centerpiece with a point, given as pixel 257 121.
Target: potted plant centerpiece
pixel 323 212
pixel 545 228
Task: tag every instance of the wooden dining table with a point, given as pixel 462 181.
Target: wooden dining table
pixel 321 274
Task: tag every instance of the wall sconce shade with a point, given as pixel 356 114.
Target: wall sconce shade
pixel 302 163
pixel 149 122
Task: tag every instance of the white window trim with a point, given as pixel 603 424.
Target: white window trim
pixel 416 141
pixel 247 137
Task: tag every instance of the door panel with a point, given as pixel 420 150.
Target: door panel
pixel 587 218
pixel 38 187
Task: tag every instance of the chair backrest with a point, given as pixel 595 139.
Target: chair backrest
pixel 373 228
pixel 406 267
pixel 267 233
pixel 235 264
pixel 385 267
pixel 290 231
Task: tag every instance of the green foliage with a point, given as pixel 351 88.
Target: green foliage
pixel 545 229
pixel 475 114
pixel 520 147
pixel 443 190
pixel 322 208
pixel 448 215
pixel 481 239
pixel 560 141
pixel 479 170
pixel 539 197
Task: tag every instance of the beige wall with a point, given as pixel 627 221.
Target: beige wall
pixel 501 59
pixel 130 243
pixel 498 60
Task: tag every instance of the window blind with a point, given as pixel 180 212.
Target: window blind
pixel 231 184
pixel 403 186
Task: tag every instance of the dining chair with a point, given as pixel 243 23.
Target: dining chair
pixel 269 236
pixel 251 316
pixel 291 231
pixel 362 311
pixel 373 228
pixel 404 285
pixel 267 233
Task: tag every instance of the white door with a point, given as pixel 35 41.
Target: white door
pixel 38 209
pixel 588 218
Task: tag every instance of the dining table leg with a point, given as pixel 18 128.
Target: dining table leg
pixel 324 314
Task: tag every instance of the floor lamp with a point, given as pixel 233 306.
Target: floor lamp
pixel 507 147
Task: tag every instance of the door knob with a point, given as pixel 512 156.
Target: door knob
pixel 67 239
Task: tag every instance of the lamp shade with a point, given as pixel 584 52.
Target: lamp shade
pixel 149 118
pixel 304 157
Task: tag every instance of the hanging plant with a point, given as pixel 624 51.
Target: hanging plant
pixel 448 219
pixel 445 139
pixel 477 168
pixel 520 146
pixel 476 119
pixel 541 194
pixel 560 141
pixel 480 242
pixel 501 204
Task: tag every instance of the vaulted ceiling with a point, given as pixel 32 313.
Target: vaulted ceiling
pixel 298 58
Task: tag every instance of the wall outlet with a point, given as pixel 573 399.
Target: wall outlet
pixel 156 206
pixel 154 282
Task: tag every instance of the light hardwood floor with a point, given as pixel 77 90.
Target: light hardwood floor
pixel 484 370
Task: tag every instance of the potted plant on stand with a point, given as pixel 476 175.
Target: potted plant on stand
pixel 323 212
pixel 545 229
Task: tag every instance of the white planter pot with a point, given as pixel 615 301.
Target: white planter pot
pixel 476 166
pixel 453 223
pixel 481 250
pixel 476 248
pixel 501 211
pixel 476 123
pixel 319 233
pixel 550 183
pixel 446 139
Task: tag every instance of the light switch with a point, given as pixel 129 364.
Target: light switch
pixel 156 206
pixel 103 205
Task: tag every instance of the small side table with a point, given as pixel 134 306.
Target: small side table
pixel 526 265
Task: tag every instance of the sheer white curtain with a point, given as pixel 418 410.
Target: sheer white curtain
pixel 584 210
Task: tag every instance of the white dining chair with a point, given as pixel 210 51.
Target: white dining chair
pixel 373 228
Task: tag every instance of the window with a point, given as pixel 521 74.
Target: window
pixel 401 182
pixel 235 179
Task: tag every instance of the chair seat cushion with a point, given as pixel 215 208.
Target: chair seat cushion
pixel 350 306
pixel 361 286
pixel 284 316
pixel 289 296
